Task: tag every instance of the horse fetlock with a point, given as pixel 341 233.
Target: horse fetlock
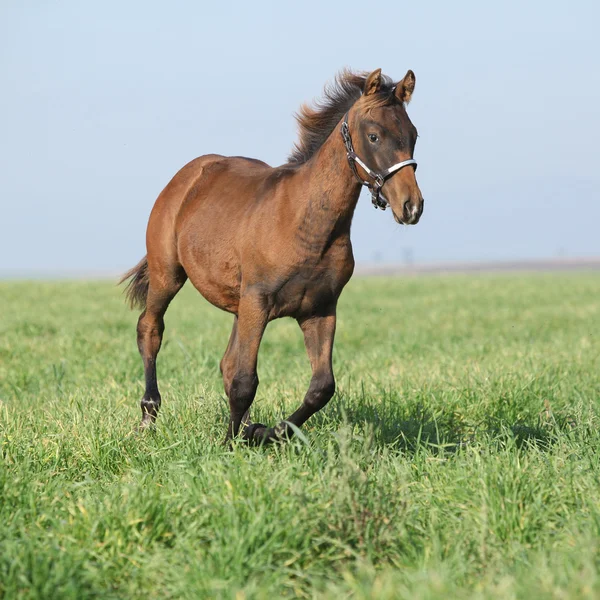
pixel 242 391
pixel 150 406
pixel 320 392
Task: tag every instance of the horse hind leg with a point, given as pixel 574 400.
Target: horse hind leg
pixel 162 289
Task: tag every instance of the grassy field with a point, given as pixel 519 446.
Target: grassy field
pixel 459 457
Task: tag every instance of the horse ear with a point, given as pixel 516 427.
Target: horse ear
pixel 406 87
pixel 373 83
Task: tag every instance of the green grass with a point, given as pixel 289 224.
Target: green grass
pixel 459 457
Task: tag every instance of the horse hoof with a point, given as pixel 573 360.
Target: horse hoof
pixel 252 429
pixel 259 434
pixel 146 424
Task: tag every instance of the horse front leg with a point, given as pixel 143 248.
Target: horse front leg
pixel 319 333
pixel 228 366
pixel 239 363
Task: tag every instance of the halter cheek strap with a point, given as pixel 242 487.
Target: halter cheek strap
pixel 379 201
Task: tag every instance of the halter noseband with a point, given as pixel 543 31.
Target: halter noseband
pixel 379 201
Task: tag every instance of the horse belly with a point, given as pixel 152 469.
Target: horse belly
pixel 218 292
pixel 213 271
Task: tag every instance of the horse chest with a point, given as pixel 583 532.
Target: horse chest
pixel 310 288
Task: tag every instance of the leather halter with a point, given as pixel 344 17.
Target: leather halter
pixel 379 201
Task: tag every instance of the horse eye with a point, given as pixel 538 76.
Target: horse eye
pixel 373 138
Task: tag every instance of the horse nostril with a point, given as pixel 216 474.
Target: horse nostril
pixel 407 207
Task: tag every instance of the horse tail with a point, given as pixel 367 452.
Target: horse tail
pixel 136 290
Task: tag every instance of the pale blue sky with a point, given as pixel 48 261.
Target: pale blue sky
pixel 102 102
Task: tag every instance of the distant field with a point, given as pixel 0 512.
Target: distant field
pixel 459 458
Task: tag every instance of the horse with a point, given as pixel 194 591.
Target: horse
pixel 264 242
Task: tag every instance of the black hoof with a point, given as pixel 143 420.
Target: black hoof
pixel 259 434
pixel 148 423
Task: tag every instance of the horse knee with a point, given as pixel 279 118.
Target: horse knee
pixel 320 392
pixel 242 391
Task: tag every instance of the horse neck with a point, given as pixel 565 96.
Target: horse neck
pixel 327 206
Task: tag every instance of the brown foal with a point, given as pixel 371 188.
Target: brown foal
pixel 263 242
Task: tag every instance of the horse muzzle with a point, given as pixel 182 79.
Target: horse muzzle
pixel 411 212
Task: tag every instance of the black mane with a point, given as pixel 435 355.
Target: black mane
pixel 315 123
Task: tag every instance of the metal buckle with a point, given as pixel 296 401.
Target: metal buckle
pixel 376 198
pixel 375 191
